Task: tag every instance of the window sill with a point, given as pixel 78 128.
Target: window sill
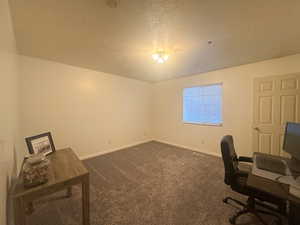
pixel 204 124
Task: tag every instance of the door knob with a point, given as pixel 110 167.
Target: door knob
pixel 256 128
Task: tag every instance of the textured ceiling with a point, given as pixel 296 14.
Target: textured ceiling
pixel 120 40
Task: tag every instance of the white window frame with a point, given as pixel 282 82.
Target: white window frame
pixel 201 123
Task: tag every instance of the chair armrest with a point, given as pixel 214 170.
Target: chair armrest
pixel 245 159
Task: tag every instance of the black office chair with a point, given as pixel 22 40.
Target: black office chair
pixel 237 180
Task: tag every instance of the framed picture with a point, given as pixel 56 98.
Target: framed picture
pixel 42 143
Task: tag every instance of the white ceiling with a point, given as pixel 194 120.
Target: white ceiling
pixel 90 34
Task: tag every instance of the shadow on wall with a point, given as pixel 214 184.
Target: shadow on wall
pixel 8 174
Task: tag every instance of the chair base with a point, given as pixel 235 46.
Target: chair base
pixel 250 208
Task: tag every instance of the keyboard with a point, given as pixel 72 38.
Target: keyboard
pixel 271 165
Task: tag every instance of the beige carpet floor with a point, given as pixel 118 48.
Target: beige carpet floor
pixel 149 184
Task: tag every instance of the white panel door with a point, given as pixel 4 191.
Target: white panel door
pixel 276 101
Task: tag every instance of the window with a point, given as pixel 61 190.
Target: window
pixel 203 104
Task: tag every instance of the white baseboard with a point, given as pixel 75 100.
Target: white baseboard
pixel 142 142
pixel 191 148
pixel 113 150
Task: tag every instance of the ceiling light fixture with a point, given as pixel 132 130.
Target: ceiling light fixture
pixel 160 56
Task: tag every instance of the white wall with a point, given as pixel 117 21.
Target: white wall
pixel 90 111
pixel 94 112
pixel 237 106
pixel 8 107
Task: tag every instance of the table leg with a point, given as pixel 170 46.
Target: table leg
pixel 86 201
pixel 69 192
pixel 294 217
pixel 29 209
pixel 19 208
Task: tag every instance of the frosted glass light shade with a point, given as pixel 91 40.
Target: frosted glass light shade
pixel 160 57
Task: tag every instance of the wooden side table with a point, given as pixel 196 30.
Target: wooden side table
pixel 65 170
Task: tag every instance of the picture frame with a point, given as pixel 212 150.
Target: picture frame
pixel 42 143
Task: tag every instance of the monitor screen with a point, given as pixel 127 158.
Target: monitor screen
pixel 292 139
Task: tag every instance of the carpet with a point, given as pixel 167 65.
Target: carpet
pixel 148 184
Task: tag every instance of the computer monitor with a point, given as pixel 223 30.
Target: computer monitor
pixel 292 144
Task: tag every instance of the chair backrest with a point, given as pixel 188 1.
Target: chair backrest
pixel 230 159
